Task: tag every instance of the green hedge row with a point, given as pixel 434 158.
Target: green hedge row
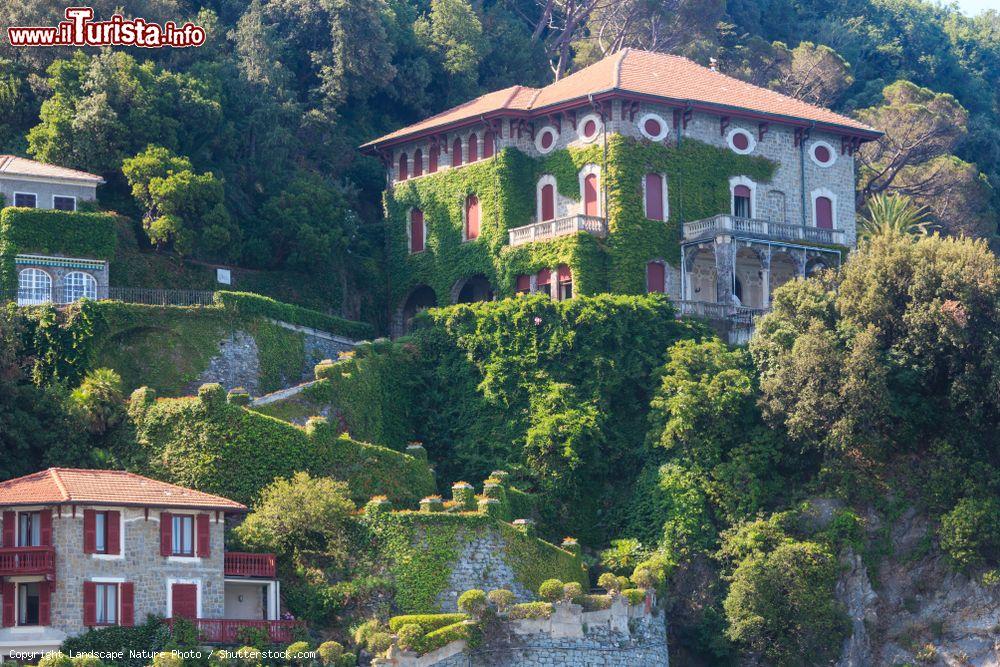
pixel 208 444
pixel 43 231
pixel 427 622
pixel 246 304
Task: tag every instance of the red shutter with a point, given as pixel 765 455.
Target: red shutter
pixel 114 539
pixel 44 603
pixel 89 603
pixel 824 213
pixel 544 276
pixel 89 531
pixel 655 277
pixel 401 175
pixel 204 536
pixel 127 592
pixel 418 163
pixel 548 202
pixel 564 273
pixel 184 601
pixel 654 197
pixel 472 217
pixel 590 194
pixel 416 230
pixel 9 593
pixel 473 148
pixel 9 525
pixel 166 534
pixel 488 144
pixel 432 159
pixel 45 531
pixel 523 283
pixel 456 153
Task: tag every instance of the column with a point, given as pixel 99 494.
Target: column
pixel 765 278
pixel 725 258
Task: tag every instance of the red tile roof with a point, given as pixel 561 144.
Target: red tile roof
pixel 656 75
pixel 74 486
pixel 14 166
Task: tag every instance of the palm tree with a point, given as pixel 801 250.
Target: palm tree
pixel 894 215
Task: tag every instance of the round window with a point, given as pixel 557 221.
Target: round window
pixel 545 140
pixel 741 141
pixel 822 154
pixel 653 127
pixel 588 127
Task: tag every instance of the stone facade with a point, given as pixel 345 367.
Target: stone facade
pixel 481 565
pixel 57 268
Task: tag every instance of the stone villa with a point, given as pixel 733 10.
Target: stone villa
pixel 93 548
pixel 641 172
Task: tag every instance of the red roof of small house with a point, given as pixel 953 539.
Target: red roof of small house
pixel 641 74
pixel 14 166
pixel 75 486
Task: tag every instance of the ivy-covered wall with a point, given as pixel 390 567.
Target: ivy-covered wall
pixel 211 445
pixel 698 187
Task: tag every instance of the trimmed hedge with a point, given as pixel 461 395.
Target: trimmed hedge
pixel 43 231
pixel 530 610
pixel 427 622
pixel 246 304
pixel 188 441
pixel 466 630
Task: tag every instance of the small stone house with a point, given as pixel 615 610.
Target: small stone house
pixel 87 549
pixel 44 278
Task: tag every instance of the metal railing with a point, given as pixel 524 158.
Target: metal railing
pixel 240 564
pixel 549 229
pixel 61 296
pixel 27 560
pixel 230 631
pixel 708 310
pixel 756 227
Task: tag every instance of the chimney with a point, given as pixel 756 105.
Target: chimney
pixel 713 64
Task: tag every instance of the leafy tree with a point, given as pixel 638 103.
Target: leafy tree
pixel 970 532
pixel 100 400
pixel 454 31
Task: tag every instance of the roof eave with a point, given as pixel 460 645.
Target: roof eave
pixel 101 503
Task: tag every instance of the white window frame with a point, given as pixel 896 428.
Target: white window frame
pixel 121 543
pixel 98 582
pixel 88 281
pixel 751 141
pixel 586 171
pixel 18 587
pixel 664 127
pixel 409 230
pixel 742 180
pixel 664 183
pixel 582 123
pixel 826 145
pixel 548 129
pixel 73 197
pixel 174 518
pixel 35 528
pixel 546 179
pixel 32 194
pixel 34 290
pixel 824 192
pixel 170 594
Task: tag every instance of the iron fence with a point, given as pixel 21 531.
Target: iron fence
pixel 62 295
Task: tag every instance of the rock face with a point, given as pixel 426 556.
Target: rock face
pixel 918 610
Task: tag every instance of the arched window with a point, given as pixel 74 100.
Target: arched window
pixel 591 204
pixel 432 158
pixel 471 217
pixel 523 284
pixel 544 281
pixel 34 286
pixel 488 140
pixel 656 277
pixel 565 276
pixel 403 173
pixel 456 152
pixel 473 147
pixel 546 198
pixel 79 285
pixel 418 233
pixel 418 163
pixel 742 201
pixel 654 187
pixel 824 212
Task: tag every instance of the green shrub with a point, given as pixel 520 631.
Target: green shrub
pixel 572 590
pixel 297 653
pixel 427 622
pixel 55 659
pixel 409 636
pixel 970 533
pixel 153 635
pixel 609 582
pixel 551 590
pixel 530 610
pixel 87 660
pixel 329 653
pixel 253 637
pixel 347 660
pixel 594 602
pixel 473 602
pixel 164 659
pixel 450 633
pixel 379 642
pixel 219 658
pixel 634 595
pixel 246 304
pixel 248 656
pixel 501 598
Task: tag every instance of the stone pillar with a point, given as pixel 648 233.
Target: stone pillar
pixel 765 279
pixel 725 257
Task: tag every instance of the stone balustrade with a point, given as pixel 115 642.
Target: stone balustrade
pixel 757 228
pixel 550 229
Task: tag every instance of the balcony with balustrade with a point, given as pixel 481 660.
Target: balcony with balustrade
pixel 550 229
pixel 241 564
pixel 16 561
pixel 234 631
pixel 755 228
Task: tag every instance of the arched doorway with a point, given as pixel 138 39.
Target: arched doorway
pixel 749 282
pixel 421 298
pixel 784 267
pixel 472 289
pixel 702 282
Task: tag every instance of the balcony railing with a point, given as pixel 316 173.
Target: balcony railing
pixel 239 564
pixel 61 296
pixel 709 227
pixel 707 310
pixel 231 631
pixel 550 229
pixel 27 560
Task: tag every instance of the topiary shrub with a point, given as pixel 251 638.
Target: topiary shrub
pixel 298 653
pixel 56 659
pixel 609 582
pixel 473 602
pixel 594 602
pixel 464 630
pixel 501 598
pixel 379 642
pixel 238 396
pixel 161 659
pixel 634 595
pixel 551 590
pixel 571 591
pixel 409 636
pixel 329 653
pixel 427 622
pixel 530 610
